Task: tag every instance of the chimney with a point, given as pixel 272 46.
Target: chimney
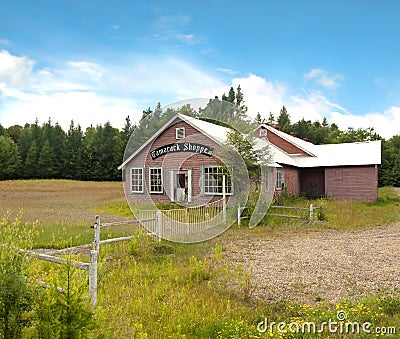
pixel 293 134
pixel 306 139
pixel 277 127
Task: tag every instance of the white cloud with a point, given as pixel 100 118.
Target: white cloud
pixel 386 124
pixel 324 78
pixel 264 96
pixel 261 95
pixel 85 108
pixel 91 93
pixel 15 69
pixel 227 71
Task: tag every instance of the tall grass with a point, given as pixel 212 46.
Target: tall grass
pixel 340 214
pixel 149 289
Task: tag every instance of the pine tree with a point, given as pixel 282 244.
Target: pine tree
pixel 284 120
pixel 271 119
pixel 73 153
pixel 30 169
pixel 9 158
pixel 258 119
pixel 46 162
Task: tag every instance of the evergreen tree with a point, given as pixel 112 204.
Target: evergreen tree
pixel 284 120
pixel 231 96
pixel 46 162
pixel 104 150
pixel 88 155
pixel 74 149
pixel 259 120
pixel 271 119
pixel 241 120
pixel 14 132
pixel 31 162
pixel 389 172
pixel 3 131
pixel 24 143
pixel 9 158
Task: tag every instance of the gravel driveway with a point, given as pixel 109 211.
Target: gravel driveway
pixel 321 265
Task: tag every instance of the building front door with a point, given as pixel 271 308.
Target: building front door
pixel 181 185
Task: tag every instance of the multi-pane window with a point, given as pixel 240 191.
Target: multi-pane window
pixel 156 180
pixel 213 180
pixel 180 133
pixel 280 179
pixel 137 182
pixel 263 132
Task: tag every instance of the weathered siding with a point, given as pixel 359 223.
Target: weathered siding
pixel 184 160
pixel 279 142
pixel 292 179
pixel 352 183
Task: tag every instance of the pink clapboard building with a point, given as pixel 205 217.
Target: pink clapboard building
pixel 179 164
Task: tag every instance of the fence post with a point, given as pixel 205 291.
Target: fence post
pixel 311 212
pixel 238 215
pixel 93 277
pixel 158 225
pixel 224 197
pixel 96 241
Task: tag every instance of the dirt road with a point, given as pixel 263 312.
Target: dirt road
pixel 321 265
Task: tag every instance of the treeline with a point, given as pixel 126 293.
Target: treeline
pixel 47 151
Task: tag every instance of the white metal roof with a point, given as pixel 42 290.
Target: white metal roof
pixel 216 132
pixel 345 154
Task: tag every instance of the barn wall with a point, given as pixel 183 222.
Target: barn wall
pixel 279 142
pixel 292 180
pixel 352 183
pixel 170 161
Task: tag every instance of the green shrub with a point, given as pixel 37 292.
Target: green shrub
pixel 63 309
pixel 15 291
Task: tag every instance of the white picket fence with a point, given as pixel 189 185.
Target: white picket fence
pixel 184 223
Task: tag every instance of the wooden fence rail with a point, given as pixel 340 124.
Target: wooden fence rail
pixel 310 209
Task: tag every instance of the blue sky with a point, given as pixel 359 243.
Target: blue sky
pixel 93 61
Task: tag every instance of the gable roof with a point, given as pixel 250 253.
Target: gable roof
pixel 344 154
pixel 305 146
pixel 214 132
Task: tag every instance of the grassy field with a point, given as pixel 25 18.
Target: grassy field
pixel 149 289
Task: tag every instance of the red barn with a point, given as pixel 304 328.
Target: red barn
pixel 347 171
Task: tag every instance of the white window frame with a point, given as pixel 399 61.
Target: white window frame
pixel 142 184
pixel 161 184
pixel 280 179
pixel 216 189
pixel 263 132
pixel 179 130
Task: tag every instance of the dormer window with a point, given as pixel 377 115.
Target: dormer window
pixel 263 132
pixel 180 133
